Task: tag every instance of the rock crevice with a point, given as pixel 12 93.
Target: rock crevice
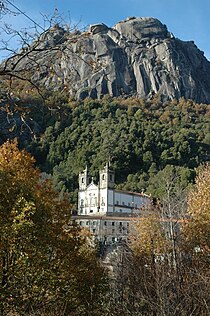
pixel 137 56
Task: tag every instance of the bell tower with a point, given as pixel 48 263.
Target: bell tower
pixel 106 178
pixel 84 179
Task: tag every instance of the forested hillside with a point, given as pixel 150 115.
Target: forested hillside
pixel 139 138
pixel 132 95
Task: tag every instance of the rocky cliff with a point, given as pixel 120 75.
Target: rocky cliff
pixel 137 56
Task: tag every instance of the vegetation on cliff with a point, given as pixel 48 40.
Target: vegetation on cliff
pixel 139 138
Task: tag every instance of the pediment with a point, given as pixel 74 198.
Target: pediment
pixel 92 186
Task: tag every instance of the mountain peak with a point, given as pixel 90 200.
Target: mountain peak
pixel 137 28
pixel 137 56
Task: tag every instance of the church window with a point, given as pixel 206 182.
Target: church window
pixel 92 201
pixel 94 230
pixel 82 202
pixel 103 177
pixel 110 177
pixel 120 223
pixel 91 211
pixel 82 180
pixel 105 223
pixel 117 202
pixel 113 223
pixel 123 203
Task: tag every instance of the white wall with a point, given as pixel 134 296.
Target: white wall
pixel 126 202
pixel 103 200
pixel 99 202
pixel 88 200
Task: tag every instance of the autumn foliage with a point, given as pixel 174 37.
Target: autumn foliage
pixel 197 230
pixel 171 262
pixel 46 262
pixel 147 239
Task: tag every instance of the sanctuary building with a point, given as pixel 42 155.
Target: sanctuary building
pixel 108 212
pixel 103 199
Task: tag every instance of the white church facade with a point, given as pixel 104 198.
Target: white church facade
pixel 105 211
pixel 103 199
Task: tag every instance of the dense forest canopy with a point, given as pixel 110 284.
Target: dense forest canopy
pixel 139 138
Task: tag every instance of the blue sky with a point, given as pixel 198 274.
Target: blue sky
pixel 186 19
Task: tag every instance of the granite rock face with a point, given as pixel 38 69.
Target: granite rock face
pixel 137 56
